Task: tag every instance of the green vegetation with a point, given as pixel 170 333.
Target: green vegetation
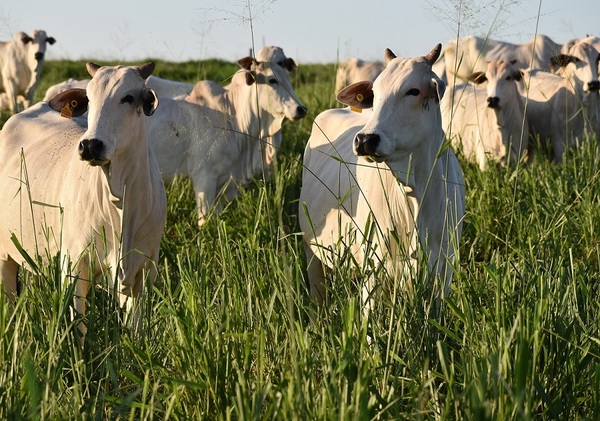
pixel 228 335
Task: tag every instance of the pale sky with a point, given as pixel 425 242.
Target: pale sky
pixel 310 31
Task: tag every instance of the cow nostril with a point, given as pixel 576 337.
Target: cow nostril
pixel 90 149
pixel 366 144
pixel 594 85
pixel 493 101
pixel 39 56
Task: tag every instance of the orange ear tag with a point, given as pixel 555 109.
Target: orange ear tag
pixel 356 110
pixel 65 111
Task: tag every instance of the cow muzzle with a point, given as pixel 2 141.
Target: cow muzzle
pixel 493 102
pixel 91 150
pixel 593 85
pixel 39 56
pixel 365 144
pixel 300 112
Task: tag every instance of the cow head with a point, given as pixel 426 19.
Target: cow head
pixel 405 100
pixel 273 92
pixel 37 45
pixel 117 102
pixel 501 87
pixel 275 55
pixel 579 64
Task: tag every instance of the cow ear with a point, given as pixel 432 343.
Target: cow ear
pixel 50 40
pixel 358 95
pixel 26 39
pixel 439 87
pixel 561 60
pixel 477 78
pixel 289 64
pixel 149 101
pixel 246 62
pixel 250 78
pixel 70 103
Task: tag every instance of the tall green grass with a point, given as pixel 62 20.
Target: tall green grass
pixel 228 333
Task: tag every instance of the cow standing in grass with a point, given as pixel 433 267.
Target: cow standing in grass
pixel 486 119
pixel 383 184
pixel 21 63
pixel 85 188
pixel 221 137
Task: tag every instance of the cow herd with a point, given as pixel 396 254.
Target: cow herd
pixel 379 179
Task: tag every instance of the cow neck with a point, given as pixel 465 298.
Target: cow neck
pixel 128 174
pixel 510 119
pixel 254 132
pixel 426 176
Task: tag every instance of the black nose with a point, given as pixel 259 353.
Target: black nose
pixel 594 85
pixel 300 113
pixel 90 149
pixel 493 101
pixel 39 56
pixel 365 144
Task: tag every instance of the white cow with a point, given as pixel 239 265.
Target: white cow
pixel 467 55
pixel 356 70
pixel 488 122
pixel 383 184
pixel 87 188
pixel 21 62
pixel 220 136
pixel 563 105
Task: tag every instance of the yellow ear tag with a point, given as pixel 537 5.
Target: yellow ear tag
pixel 65 111
pixel 359 98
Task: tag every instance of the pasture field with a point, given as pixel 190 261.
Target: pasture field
pixel 228 334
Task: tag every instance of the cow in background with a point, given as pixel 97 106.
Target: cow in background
pixel 21 63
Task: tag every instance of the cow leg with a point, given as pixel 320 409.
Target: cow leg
pixel 8 276
pixel 81 290
pixel 316 276
pixel 205 197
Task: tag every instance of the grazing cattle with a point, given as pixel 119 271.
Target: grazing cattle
pixel 465 56
pixel 54 90
pixel 564 105
pixel 86 188
pixel 221 136
pixel 21 62
pixel 488 122
pixel 356 70
pixel 383 184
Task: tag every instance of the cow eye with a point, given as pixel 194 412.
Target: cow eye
pixel 413 92
pixel 127 99
pixel 273 81
pixel 508 77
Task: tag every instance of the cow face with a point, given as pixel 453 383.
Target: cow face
pixel 36 44
pixel 118 104
pixel 275 95
pixel 405 99
pixel 580 64
pixel 501 78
